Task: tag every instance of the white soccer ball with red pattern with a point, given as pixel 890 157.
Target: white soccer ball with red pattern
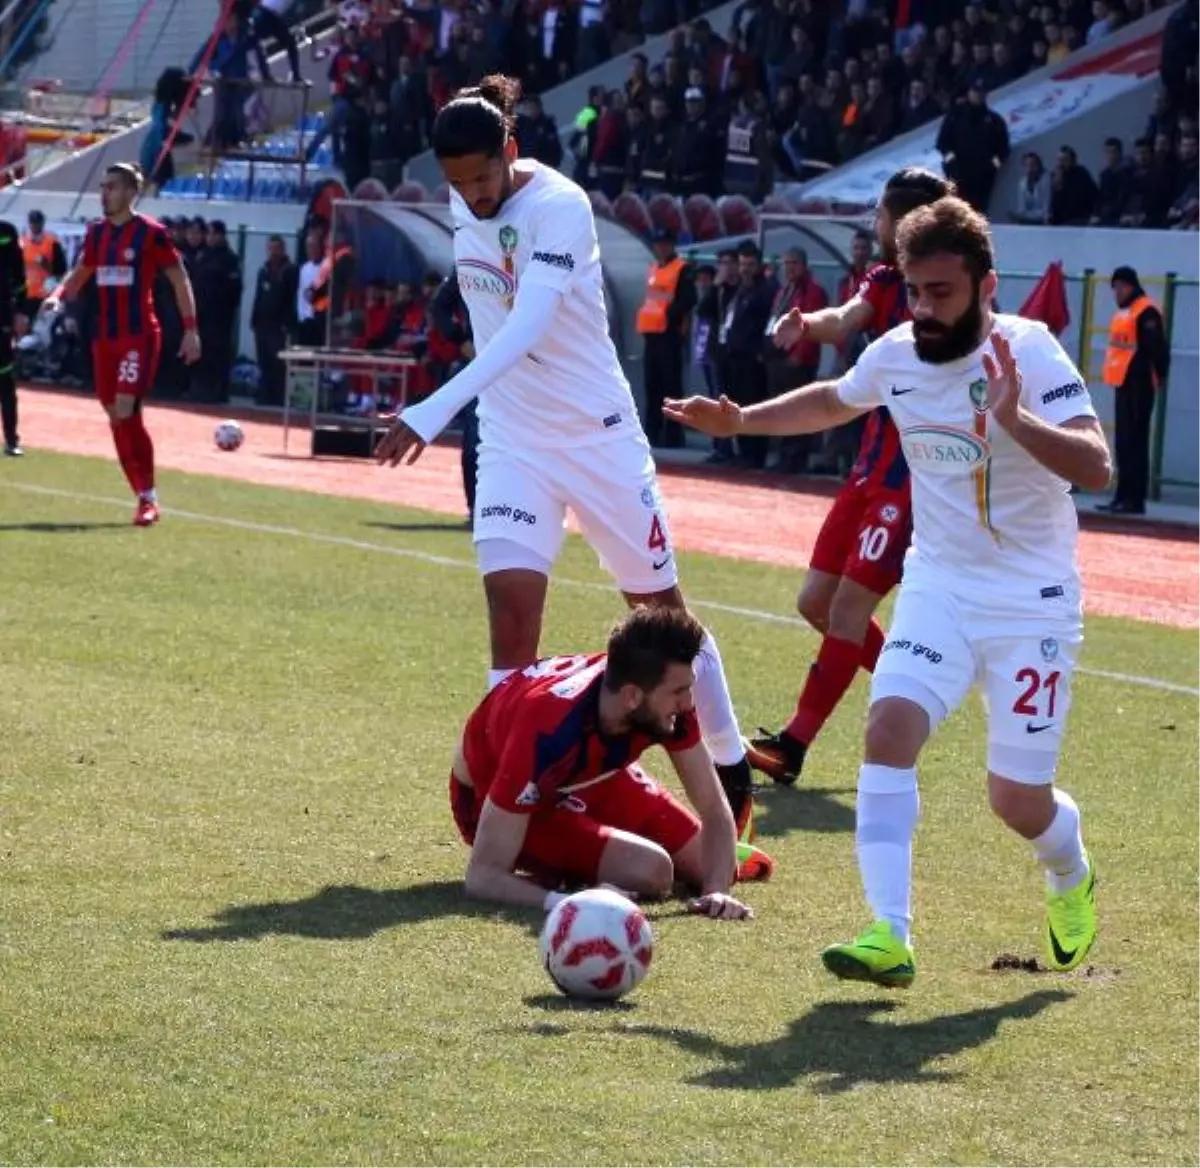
pixel 229 436
pixel 596 944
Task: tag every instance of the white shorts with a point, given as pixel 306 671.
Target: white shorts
pixel 939 645
pixel 612 489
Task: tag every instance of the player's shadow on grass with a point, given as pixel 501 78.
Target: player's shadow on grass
pixel 450 525
pixel 779 811
pixel 65 528
pixel 842 1045
pixel 348 912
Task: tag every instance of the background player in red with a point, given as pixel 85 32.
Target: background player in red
pixel 125 251
pixel 859 553
pixel 546 779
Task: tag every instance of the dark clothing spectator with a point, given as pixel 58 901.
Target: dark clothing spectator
pixel 537 137
pixel 1112 192
pixel 356 144
pixel 271 319
pixel 1073 194
pixel 218 288
pixel 697 160
pixel 973 142
pixel 410 112
pixel 742 332
pixel 919 108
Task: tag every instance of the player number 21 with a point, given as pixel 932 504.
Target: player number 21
pixel 1034 682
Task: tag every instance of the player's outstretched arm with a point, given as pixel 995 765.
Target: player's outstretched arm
pixel 490 875
pixel 532 317
pixel 718 835
pixel 802 411
pixel 71 286
pixel 828 326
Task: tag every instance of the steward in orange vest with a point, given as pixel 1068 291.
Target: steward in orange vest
pixel 665 321
pixel 1135 365
pixel 44 260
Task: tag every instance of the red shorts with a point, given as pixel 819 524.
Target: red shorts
pixel 865 536
pixel 565 842
pixel 125 366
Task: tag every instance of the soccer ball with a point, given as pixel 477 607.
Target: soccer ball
pixel 596 944
pixel 229 436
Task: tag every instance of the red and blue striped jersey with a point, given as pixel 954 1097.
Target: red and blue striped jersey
pixel 125 260
pixel 880 457
pixel 536 737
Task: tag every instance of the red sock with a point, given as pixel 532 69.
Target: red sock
pixel 828 679
pixel 872 645
pixel 126 444
pixel 143 449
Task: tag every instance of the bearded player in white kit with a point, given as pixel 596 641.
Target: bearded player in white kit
pixel 995 422
pixel 558 427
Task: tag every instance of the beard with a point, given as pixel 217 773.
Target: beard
pixel 644 720
pixel 938 344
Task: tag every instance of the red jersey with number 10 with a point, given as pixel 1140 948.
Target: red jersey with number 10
pixel 880 458
pixel 125 260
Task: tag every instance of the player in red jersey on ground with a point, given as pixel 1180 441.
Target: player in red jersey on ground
pixel 546 779
pixel 859 553
pixel 125 251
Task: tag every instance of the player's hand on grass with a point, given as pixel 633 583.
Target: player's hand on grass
pixel 1003 382
pixel 189 350
pixel 720 419
pixel 789 329
pixel 720 906
pixel 399 441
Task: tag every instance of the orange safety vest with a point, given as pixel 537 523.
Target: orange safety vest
pixel 322 287
pixel 1122 341
pixel 660 291
pixel 39 263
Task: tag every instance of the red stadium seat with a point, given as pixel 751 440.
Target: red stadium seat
pixel 441 193
pixel 777 205
pixel 737 215
pixel 371 190
pixel 703 220
pixel 630 210
pixel 666 214
pixel 600 203
pixel 411 191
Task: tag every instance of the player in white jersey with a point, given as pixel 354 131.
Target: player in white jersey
pixel 995 422
pixel 558 427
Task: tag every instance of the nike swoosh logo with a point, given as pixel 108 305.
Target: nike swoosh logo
pixel 660 564
pixel 1030 728
pixel 901 392
pixel 1060 954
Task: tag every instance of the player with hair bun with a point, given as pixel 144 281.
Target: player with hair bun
pixel 558 427
pixel 125 251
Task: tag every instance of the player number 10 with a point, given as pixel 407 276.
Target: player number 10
pixel 1033 681
pixel 872 541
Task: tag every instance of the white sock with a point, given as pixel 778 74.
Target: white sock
pixel 496 676
pixel 1059 849
pixel 150 496
pixel 718 722
pixel 887 812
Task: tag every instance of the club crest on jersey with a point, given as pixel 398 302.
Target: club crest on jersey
pixel 129 254
pixel 648 499
pixel 889 513
pixel 508 239
pixel 530 796
pixel 1049 649
pixel 978 394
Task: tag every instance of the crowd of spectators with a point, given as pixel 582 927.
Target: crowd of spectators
pixel 813 83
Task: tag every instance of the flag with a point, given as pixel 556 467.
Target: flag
pixel 1048 300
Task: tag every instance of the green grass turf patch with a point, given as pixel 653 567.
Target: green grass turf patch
pixel 231 928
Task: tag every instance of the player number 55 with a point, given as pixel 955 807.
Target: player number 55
pixel 127 371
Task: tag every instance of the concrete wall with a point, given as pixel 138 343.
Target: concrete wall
pixel 88 34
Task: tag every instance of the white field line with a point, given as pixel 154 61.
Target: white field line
pixel 360 545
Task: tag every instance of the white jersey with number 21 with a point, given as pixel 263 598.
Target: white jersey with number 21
pixel 989 521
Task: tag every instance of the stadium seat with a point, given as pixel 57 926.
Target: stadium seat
pixel 777 205
pixel 600 204
pixel 411 191
pixel 371 190
pixel 630 210
pixel 666 214
pixel 704 223
pixel 737 215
